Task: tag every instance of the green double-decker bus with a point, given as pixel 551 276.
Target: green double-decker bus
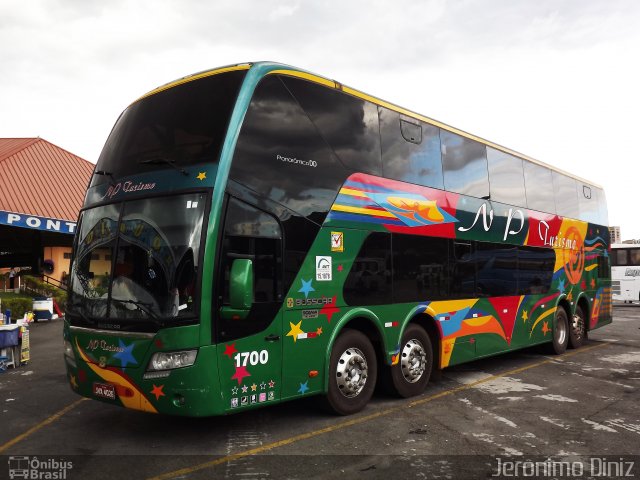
pixel 256 233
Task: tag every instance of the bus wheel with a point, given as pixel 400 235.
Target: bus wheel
pixel 411 375
pixel 560 332
pixel 352 373
pixel 577 330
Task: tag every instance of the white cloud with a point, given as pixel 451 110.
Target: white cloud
pixel 554 80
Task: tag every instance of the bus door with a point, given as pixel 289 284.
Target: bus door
pixel 249 323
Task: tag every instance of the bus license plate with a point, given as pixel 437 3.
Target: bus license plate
pixel 104 390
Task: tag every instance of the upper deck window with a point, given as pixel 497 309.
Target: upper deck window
pixel 347 123
pixel 183 125
pixel 506 178
pixel 465 165
pixel 566 194
pixel 539 188
pixel 410 150
pixel 280 153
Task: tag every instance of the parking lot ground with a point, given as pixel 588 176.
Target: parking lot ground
pixel 475 421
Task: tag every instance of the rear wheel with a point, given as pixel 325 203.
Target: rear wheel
pixel 352 373
pixel 560 332
pixel 409 377
pixel 577 329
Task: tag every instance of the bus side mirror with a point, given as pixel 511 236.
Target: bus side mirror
pixel 240 290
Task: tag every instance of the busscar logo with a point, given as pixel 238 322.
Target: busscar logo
pixel 297 161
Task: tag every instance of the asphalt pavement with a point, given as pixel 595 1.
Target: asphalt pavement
pixel 576 413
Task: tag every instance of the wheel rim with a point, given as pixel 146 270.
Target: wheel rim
pixel 577 326
pixel 351 372
pixel 413 361
pixel 561 332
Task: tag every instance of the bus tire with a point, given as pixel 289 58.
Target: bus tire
pixel 560 332
pixel 577 329
pixel 411 374
pixel 353 372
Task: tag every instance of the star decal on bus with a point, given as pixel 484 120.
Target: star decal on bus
pixel 229 350
pixel 295 331
pixel 241 372
pixel 330 309
pixel 561 286
pixel 304 387
pixel 125 355
pixel 545 328
pixel 306 287
pixel 202 176
pixel 157 391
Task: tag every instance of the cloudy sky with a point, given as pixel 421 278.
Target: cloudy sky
pixel 557 80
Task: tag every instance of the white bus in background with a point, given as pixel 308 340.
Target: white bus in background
pixel 625 272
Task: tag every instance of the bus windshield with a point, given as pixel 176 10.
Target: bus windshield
pixel 181 126
pixel 138 261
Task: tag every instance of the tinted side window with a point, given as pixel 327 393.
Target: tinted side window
pixel 462 263
pixel 535 270
pixel 539 188
pixel 506 178
pixel 566 195
pixel 253 234
pixel 419 268
pixel 619 257
pixel 369 280
pixel 497 269
pixel 348 124
pixel 465 165
pixel 410 160
pixel 604 271
pixel 280 154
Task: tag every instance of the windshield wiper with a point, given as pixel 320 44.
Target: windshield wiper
pixel 168 161
pixel 141 306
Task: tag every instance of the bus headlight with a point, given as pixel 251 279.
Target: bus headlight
pixel 171 360
pixel 68 353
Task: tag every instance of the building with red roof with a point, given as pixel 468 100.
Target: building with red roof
pixel 42 188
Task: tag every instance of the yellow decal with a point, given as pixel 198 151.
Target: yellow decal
pixel 337 241
pixel 551 311
pixel 137 401
pixel 447 350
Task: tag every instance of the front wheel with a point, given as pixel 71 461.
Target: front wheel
pixel 560 332
pixel 352 373
pixel 411 374
pixel 578 329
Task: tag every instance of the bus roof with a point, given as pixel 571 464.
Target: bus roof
pixel 278 68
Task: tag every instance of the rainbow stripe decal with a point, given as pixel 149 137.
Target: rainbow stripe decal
pixel 375 203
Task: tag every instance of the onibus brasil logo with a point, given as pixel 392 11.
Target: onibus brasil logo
pixel 33 468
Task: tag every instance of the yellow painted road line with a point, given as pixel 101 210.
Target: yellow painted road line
pixel 366 418
pixel 42 424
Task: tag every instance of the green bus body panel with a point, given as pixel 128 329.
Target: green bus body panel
pixel 289 359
